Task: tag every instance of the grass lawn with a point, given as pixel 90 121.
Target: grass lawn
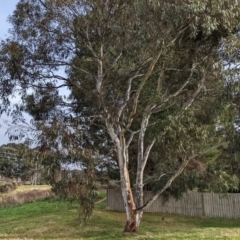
pixel 54 220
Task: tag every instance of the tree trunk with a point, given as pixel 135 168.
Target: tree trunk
pixel 132 222
pixel 133 217
pixel 133 225
pixel 130 206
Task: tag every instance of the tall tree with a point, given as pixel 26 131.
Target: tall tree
pixel 142 71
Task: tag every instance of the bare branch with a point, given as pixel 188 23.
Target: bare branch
pixel 114 62
pixel 178 70
pixel 94 117
pixel 80 69
pixel 147 152
pixel 194 96
pixel 100 74
pixel 89 45
pixel 59 86
pixel 153 179
pixel 128 92
pixel 131 137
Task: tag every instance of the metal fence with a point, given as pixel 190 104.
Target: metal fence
pixel 191 204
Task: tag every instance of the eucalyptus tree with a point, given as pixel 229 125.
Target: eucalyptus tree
pixel 141 71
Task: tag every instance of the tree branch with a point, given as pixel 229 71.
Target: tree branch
pixel 190 101
pixel 131 137
pixel 139 90
pixel 129 86
pixel 150 179
pixel 179 171
pixel 147 152
pixel 157 108
pixel 114 62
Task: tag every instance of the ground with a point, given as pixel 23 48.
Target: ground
pixel 53 219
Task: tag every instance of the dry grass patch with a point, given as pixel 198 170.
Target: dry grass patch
pixel 32 187
pixel 233 233
pixel 21 196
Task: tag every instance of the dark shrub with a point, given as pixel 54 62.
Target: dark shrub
pixel 6 187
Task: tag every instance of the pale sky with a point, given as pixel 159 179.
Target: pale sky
pixel 6 8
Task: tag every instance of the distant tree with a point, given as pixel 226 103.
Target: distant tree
pixel 146 73
pixel 13 164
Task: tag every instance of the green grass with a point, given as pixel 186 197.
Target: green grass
pixel 101 195
pixel 54 220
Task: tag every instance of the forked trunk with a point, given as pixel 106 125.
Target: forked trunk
pixel 133 216
pixel 133 224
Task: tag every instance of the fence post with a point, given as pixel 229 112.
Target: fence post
pixel 203 205
pixel 234 207
pixel 107 205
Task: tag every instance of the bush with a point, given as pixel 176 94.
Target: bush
pixel 6 187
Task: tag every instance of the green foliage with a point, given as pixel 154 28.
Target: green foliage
pixel 225 182
pixel 19 160
pixel 14 161
pixel 80 186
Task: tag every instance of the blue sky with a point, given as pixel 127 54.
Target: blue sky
pixel 6 9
